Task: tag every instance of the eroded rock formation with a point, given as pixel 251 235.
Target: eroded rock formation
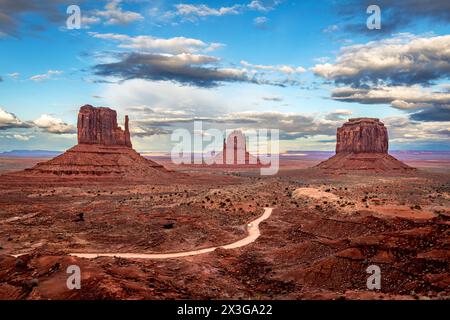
pixel 235 152
pixel 99 126
pixel 103 149
pixel 362 135
pixel 362 144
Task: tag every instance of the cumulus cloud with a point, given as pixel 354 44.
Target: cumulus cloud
pixel 10 121
pixel 401 60
pixel 46 122
pixel 428 104
pixel 400 97
pixel 45 76
pixel 174 45
pixel 338 115
pixel 436 113
pixel 291 125
pixel 165 96
pixel 186 69
pixel 403 130
pixel 401 71
pixel 51 124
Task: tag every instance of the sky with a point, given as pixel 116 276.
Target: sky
pixel 303 67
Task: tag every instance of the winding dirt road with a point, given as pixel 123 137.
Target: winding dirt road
pixel 253 234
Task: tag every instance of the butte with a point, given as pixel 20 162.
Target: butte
pixel 362 145
pixel 235 153
pixel 104 150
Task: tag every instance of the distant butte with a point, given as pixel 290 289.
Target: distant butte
pixel 103 149
pixel 362 144
pixel 235 152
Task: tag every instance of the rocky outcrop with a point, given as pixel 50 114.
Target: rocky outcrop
pixel 362 144
pixel 362 135
pixel 99 126
pixel 103 149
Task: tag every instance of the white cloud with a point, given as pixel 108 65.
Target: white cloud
pixel 9 120
pixel 87 21
pixel 22 137
pixel 152 44
pixel 322 59
pixel 400 97
pixel 260 22
pixel 402 60
pixel 14 75
pixel 339 114
pixel 113 14
pixel 263 6
pixel 202 10
pixel 51 124
pixel 165 95
pixel 45 76
pixel 192 12
pixel 402 129
pixel 286 69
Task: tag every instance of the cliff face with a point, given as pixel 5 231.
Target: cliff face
pixel 362 135
pixel 99 126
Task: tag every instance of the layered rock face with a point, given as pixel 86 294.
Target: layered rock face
pixel 103 149
pixel 362 144
pixel 362 135
pixel 99 126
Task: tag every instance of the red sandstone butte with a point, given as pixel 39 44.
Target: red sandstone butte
pixel 235 152
pixel 103 149
pixel 99 126
pixel 362 144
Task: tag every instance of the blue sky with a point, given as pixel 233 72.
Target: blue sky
pixel 303 67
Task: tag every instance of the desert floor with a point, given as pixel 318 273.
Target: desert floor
pixel 323 233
